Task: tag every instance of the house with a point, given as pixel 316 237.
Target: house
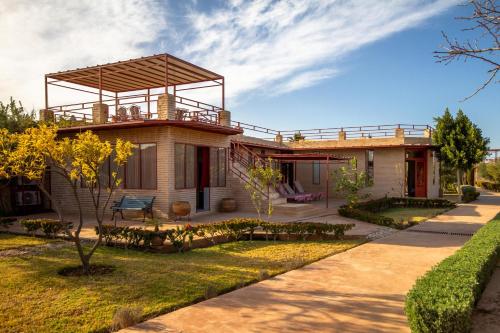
pixel 191 150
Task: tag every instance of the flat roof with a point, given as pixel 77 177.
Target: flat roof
pixel 137 74
pixel 194 125
pixel 307 157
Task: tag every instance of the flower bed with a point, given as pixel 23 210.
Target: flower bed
pixel 443 299
pixel 231 230
pixel 369 211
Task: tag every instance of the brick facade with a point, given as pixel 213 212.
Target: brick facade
pixel 165 193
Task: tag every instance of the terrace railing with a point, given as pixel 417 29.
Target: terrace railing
pixel 334 133
pixel 186 109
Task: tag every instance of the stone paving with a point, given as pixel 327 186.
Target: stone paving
pixel 360 290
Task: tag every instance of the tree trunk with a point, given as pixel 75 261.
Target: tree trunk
pixel 459 181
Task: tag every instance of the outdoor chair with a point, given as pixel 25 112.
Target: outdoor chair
pixel 290 197
pixel 135 112
pixel 289 189
pixel 121 113
pixel 300 190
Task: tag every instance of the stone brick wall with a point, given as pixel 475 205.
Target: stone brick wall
pixel 387 180
pixel 166 107
pixel 166 194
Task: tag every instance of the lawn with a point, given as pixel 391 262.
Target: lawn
pixel 412 214
pixel 10 241
pixel 34 297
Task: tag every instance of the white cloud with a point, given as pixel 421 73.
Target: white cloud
pixel 265 46
pixel 278 46
pixel 39 37
pixel 304 80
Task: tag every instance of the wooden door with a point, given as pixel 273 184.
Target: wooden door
pixel 420 179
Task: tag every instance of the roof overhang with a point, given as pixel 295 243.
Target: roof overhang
pixel 307 157
pixel 193 125
pixel 137 74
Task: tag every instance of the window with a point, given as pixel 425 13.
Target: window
pixel 184 166
pixel 140 169
pixel 138 173
pixel 217 167
pixel 148 166
pixel 369 165
pixel 133 169
pixel 316 165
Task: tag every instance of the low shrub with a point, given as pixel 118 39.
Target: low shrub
pixel 179 235
pixel 230 230
pixel 469 193
pixel 49 227
pixel 6 222
pixel 490 186
pixel 368 211
pixel 31 226
pixel 444 298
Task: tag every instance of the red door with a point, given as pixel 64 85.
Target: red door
pixel 420 179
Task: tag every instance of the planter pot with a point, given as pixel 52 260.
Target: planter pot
pixel 157 241
pixel 181 208
pixel 228 205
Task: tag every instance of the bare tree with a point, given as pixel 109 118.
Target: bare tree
pixel 485 19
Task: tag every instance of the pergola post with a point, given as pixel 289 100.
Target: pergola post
pixel 149 103
pixel 46 94
pixel 327 180
pixel 116 103
pixel 166 74
pixel 223 95
pixel 100 85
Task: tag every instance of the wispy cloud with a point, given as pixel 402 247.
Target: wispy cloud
pixel 262 46
pixel 39 37
pixel 279 46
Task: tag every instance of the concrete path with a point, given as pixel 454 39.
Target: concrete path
pixel 361 290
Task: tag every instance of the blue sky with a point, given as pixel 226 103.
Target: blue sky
pixel 288 65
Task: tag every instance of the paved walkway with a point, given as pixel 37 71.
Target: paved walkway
pixel 361 290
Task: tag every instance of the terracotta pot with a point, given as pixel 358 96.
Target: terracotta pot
pixel 157 241
pixel 181 208
pixel 228 205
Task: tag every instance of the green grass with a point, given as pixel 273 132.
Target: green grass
pixel 10 241
pixel 34 297
pixel 412 214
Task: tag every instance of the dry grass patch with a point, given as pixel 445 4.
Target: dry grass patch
pixel 11 241
pixel 32 294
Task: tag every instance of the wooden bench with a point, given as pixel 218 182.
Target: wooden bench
pixel 144 204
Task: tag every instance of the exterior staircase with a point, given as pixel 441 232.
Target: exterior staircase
pixel 241 159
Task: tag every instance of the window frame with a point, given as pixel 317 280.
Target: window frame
pixel 184 171
pixel 217 169
pixel 370 165
pixel 124 181
pixel 313 165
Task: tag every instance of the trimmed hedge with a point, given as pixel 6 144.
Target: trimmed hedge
pixel 490 186
pixel 444 298
pixel 6 222
pixel 369 211
pixel 469 193
pixel 229 230
pixel 49 227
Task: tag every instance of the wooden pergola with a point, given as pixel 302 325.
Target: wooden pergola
pixel 294 158
pixel 146 73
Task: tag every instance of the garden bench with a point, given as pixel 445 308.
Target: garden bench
pixel 144 204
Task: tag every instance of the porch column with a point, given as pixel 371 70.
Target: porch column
pixel 166 107
pixel 224 118
pixel 342 135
